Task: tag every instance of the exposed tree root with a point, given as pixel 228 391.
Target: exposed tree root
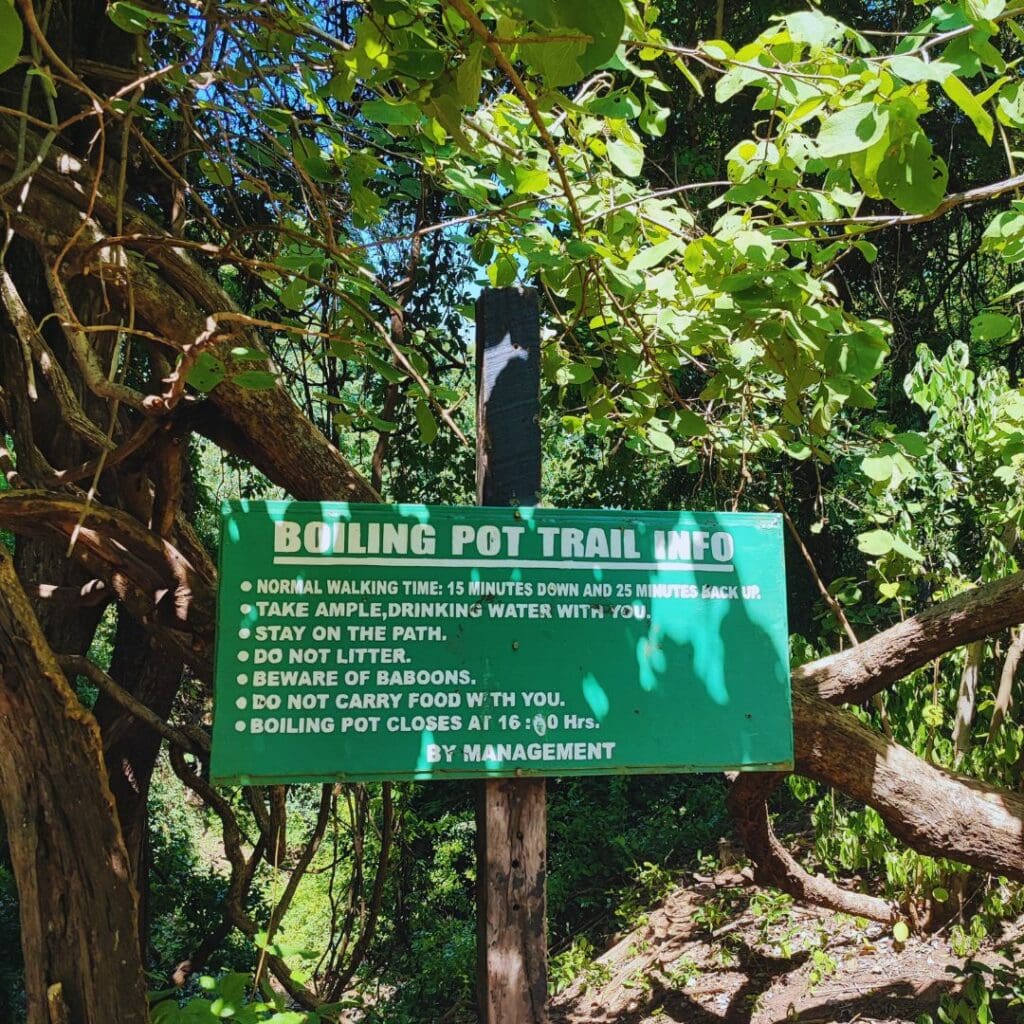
pixel 775 866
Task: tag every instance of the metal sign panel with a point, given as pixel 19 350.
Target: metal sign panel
pixel 362 642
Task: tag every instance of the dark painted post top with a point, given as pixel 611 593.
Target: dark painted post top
pixel 508 397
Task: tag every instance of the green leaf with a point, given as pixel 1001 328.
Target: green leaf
pixel 531 180
pixel 387 370
pixel 901 547
pixel 621 104
pixel 661 441
pixel 565 62
pixel 813 27
pixel 718 49
pixel 968 103
pixel 851 130
pixel 651 257
pixel 466 184
pixel 627 156
pixel 44 76
pixel 232 989
pixel 912 443
pixel 293 295
pixel 130 18
pixel 1010 105
pixel 574 373
pixel 206 373
pixel 603 20
pixel 867 249
pixel 900 931
pixel 468 77
pixel 690 424
pixel 375 421
pixel 992 326
pixel 503 271
pixel 419 63
pixel 912 176
pixel 654 118
pixel 307 155
pixel 276 118
pixel 877 467
pixel 939 894
pixel 385 112
pixel 12 36
pixel 913 69
pixel 876 542
pixel 426 422
pixel 219 173
pixel 255 380
pixel 445 109
pixel 558 63
pixel 984 10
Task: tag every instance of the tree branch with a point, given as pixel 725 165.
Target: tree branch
pixel 853 675
pixel 197 743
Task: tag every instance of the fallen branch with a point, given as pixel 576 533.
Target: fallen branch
pixel 852 676
pixel 933 811
pixel 774 865
pixel 833 747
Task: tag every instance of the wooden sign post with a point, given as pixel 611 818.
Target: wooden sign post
pixel 511 822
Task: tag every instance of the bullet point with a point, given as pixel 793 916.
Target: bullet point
pixel 243 655
pixel 246 608
pixel 246 585
pixel 239 726
pixel 242 678
pixel 241 703
pixel 244 634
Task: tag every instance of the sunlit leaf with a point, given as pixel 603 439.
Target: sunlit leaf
pixel 11 35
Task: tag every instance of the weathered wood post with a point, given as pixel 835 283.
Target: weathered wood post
pixel 511 817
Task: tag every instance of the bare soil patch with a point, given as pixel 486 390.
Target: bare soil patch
pixel 724 951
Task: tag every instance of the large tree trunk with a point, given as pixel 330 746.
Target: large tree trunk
pixel 78 904
pixel 151 674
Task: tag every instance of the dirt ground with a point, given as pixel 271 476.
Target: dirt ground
pixel 723 951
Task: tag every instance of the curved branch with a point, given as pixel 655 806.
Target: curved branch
pixel 176 298
pixel 198 743
pixel 158 586
pixel 35 347
pixel 853 675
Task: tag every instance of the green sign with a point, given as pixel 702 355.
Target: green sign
pixel 361 642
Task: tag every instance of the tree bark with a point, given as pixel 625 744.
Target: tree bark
pixel 936 812
pixel 151 674
pixel 76 898
pixel 774 865
pixel 853 675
